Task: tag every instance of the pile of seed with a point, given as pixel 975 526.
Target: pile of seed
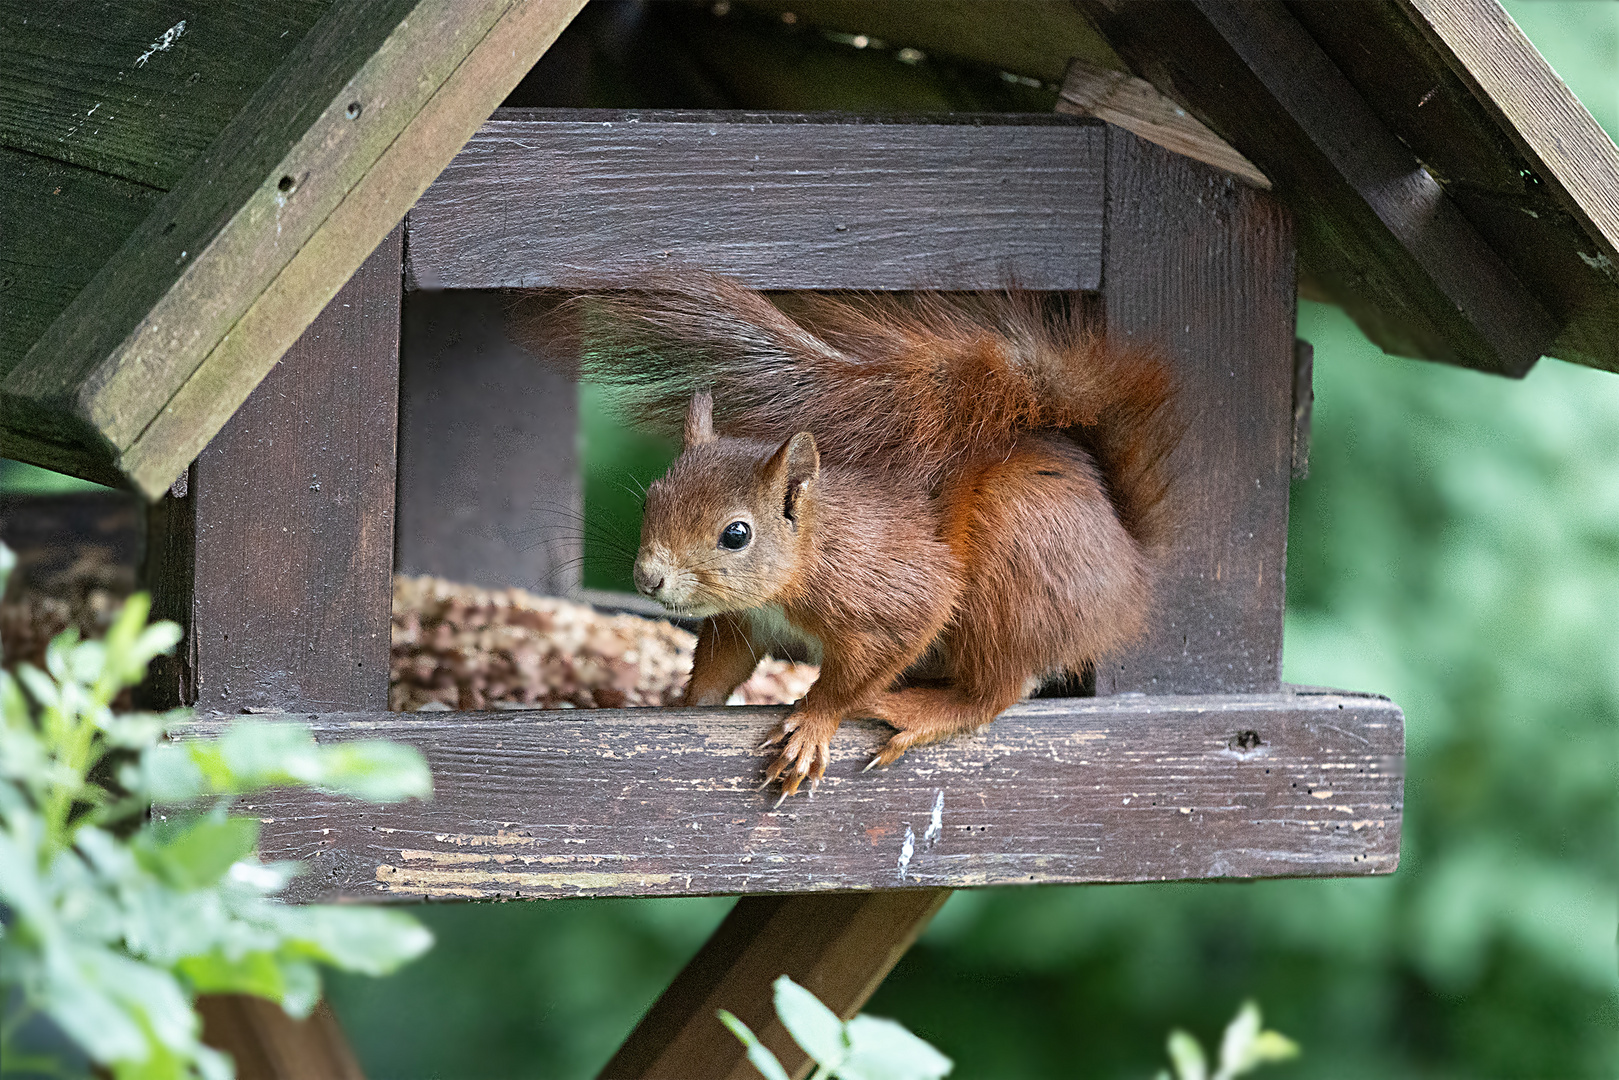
pixel 87 595
pixel 460 647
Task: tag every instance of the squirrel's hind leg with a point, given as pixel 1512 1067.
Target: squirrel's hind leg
pixel 924 714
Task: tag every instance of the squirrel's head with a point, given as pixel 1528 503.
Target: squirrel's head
pixel 726 525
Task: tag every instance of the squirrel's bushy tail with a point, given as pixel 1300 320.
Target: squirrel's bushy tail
pixel 919 383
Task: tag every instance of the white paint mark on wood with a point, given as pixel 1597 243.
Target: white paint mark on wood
pixel 936 824
pixel 162 44
pixel 906 850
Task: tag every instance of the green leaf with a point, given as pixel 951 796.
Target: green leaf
pixel 759 1055
pixel 1245 1047
pixel 255 973
pixel 199 851
pixel 812 1025
pixel 372 941
pixel 375 770
pixel 883 1050
pixel 1187 1057
pixel 1239 1036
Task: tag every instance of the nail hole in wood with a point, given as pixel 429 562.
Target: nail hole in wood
pixel 353 111
pixel 286 185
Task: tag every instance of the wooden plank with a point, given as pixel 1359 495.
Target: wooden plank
pixel 1202 266
pixel 1137 106
pixel 277 558
pixel 782 201
pixel 267 1044
pixel 667 802
pixel 58 220
pixel 137 90
pixel 489 490
pixel 1512 201
pixel 1031 37
pixel 1561 139
pixel 840 947
pixel 1535 107
pixel 1374 228
pixel 188 316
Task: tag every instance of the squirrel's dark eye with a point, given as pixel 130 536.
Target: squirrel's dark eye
pixel 736 535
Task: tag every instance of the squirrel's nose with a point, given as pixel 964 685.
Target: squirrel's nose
pixel 647 580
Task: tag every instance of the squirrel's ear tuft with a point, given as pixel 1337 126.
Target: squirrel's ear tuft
pixel 792 470
pixel 700 420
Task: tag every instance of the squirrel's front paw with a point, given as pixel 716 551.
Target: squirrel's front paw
pixel 806 747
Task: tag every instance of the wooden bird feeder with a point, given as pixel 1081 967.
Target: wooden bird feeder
pixel 216 226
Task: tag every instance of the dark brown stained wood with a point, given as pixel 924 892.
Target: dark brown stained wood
pixel 284 534
pixel 267 1044
pixel 667 802
pixel 1375 230
pixel 1137 106
pixel 136 90
pixel 1513 202
pixel 175 330
pixel 1031 37
pixel 1201 265
pixel 838 946
pixel 780 200
pixel 55 224
pixel 489 489
pixel 1558 135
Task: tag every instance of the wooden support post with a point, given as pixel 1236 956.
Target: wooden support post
pixel 838 946
pixel 489 483
pixel 1202 265
pixel 275 552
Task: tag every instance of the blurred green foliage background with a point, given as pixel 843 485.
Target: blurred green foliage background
pixel 1456 547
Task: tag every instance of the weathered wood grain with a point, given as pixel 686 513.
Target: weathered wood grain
pixel 1375 229
pixel 1031 37
pixel 277 559
pixel 1567 150
pixel 667 802
pixel 839 946
pixel 137 90
pixel 55 224
pixel 1137 106
pixel 782 201
pixel 489 483
pixel 1202 266
pixel 186 318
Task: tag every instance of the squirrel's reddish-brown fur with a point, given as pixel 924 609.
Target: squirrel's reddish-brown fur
pixel 966 492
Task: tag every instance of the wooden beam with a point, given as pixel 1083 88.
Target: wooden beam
pixel 666 802
pixel 1202 266
pixel 1536 109
pixel 276 556
pixel 840 947
pixel 1136 106
pixel 179 326
pixel 267 1044
pixel 1374 227
pixel 783 201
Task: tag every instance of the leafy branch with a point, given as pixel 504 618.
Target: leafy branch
pixel 114 918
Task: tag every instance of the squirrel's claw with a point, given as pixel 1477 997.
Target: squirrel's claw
pixel 805 752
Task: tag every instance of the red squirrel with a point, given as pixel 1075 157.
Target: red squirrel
pixel 943 500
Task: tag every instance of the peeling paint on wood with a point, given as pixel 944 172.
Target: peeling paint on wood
pixel 666 802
